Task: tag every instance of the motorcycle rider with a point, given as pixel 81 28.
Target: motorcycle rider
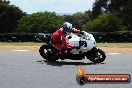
pixel 59 38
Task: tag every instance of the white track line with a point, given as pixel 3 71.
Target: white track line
pixel 113 53
pixel 20 50
pixel 29 50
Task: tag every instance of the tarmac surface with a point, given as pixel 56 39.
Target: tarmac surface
pixel 27 69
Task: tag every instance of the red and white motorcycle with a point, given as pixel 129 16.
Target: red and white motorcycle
pixel 86 43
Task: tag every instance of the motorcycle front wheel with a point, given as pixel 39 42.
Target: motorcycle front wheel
pixel 96 56
pixel 47 53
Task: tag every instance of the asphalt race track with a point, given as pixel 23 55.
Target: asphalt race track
pixel 27 69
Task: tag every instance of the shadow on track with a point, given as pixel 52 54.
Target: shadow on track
pixel 61 63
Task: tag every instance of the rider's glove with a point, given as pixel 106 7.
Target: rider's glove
pixel 82 32
pixel 77 47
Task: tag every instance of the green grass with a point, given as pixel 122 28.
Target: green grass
pixel 120 45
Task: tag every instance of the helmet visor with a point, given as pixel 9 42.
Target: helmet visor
pixel 67 30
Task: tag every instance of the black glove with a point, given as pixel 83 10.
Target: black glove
pixel 82 32
pixel 77 47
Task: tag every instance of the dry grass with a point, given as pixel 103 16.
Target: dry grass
pixel 19 46
pixel 116 47
pixel 107 47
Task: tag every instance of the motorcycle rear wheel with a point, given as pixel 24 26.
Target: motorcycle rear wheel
pixel 47 53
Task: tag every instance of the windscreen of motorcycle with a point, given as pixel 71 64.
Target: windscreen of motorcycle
pixel 73 39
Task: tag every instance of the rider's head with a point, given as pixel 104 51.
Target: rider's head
pixel 67 27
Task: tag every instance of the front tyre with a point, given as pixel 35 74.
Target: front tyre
pixel 96 56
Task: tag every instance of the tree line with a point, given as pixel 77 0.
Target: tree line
pixel 105 16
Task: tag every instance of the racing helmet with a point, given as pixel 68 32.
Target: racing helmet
pixel 67 27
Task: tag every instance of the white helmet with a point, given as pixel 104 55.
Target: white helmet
pixel 67 27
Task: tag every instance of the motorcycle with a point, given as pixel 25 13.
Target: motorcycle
pixel 86 43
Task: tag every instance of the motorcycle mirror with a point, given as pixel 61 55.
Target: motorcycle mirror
pixel 69 37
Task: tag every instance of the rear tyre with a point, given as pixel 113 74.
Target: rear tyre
pixel 47 53
pixel 97 56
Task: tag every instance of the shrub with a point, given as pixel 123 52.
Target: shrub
pixel 105 23
pixel 40 22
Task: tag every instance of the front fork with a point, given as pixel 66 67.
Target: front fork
pixel 94 51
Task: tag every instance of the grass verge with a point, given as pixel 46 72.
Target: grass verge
pixel 107 47
pixel 117 45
